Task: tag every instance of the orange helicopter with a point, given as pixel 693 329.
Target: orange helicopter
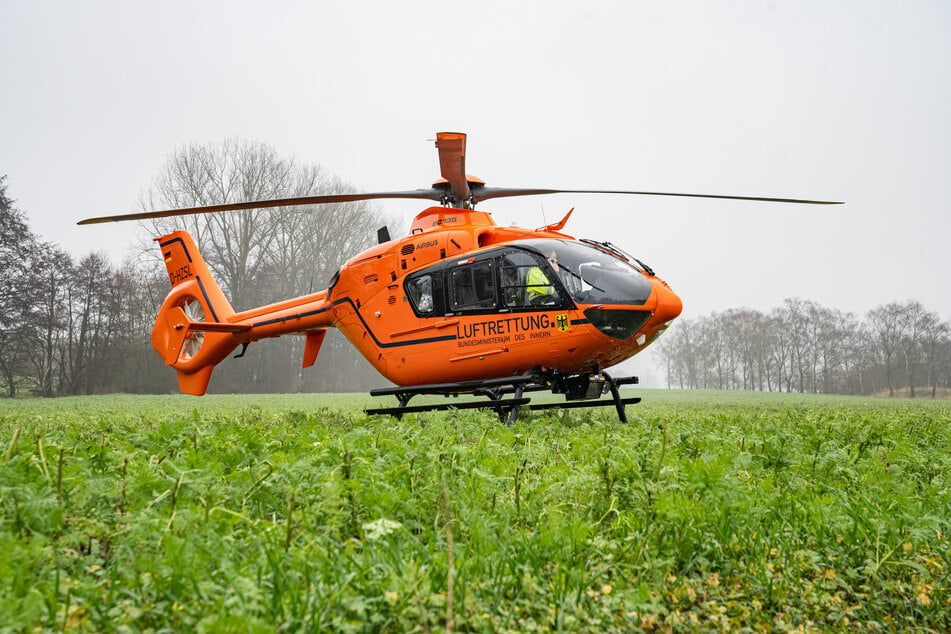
pixel 459 306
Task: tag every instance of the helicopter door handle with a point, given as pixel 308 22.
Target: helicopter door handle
pixel 478 355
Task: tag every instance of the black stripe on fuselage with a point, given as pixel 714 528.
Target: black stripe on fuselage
pixel 366 326
pixel 201 285
pixel 211 306
pixel 173 241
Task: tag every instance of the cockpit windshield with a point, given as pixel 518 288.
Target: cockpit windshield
pixel 592 276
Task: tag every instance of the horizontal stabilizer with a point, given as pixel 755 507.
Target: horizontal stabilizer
pixel 179 326
pixel 210 326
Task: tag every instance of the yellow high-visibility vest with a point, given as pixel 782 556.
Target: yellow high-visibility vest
pixel 537 283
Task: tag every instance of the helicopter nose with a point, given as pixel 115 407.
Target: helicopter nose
pixel 669 305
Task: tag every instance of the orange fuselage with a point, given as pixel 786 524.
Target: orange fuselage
pixel 455 300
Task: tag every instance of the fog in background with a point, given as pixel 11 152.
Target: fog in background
pixel 841 101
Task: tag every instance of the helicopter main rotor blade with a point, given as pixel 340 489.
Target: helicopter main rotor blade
pixel 452 163
pixel 487 193
pixel 424 194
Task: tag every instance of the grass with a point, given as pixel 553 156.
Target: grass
pixel 709 511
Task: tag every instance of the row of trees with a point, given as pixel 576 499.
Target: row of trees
pixel 82 326
pixel 802 346
pixel 68 326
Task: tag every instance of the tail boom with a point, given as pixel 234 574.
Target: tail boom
pixel 196 327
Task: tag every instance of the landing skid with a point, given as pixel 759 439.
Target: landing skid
pixel 506 396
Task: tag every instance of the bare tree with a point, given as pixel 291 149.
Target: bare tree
pixel 936 345
pixel 916 323
pixel 795 316
pixel 886 327
pixel 262 256
pixel 53 270
pixel 18 294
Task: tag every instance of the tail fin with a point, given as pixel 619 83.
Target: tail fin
pixel 191 331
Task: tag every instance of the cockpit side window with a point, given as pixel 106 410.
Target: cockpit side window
pixel 526 281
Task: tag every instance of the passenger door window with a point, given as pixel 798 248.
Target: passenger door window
pixel 472 287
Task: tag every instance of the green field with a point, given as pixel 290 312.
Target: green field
pixel 708 510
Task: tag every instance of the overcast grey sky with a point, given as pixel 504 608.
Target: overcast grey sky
pixel 835 100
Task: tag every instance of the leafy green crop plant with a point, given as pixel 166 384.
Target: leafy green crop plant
pixel 709 511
